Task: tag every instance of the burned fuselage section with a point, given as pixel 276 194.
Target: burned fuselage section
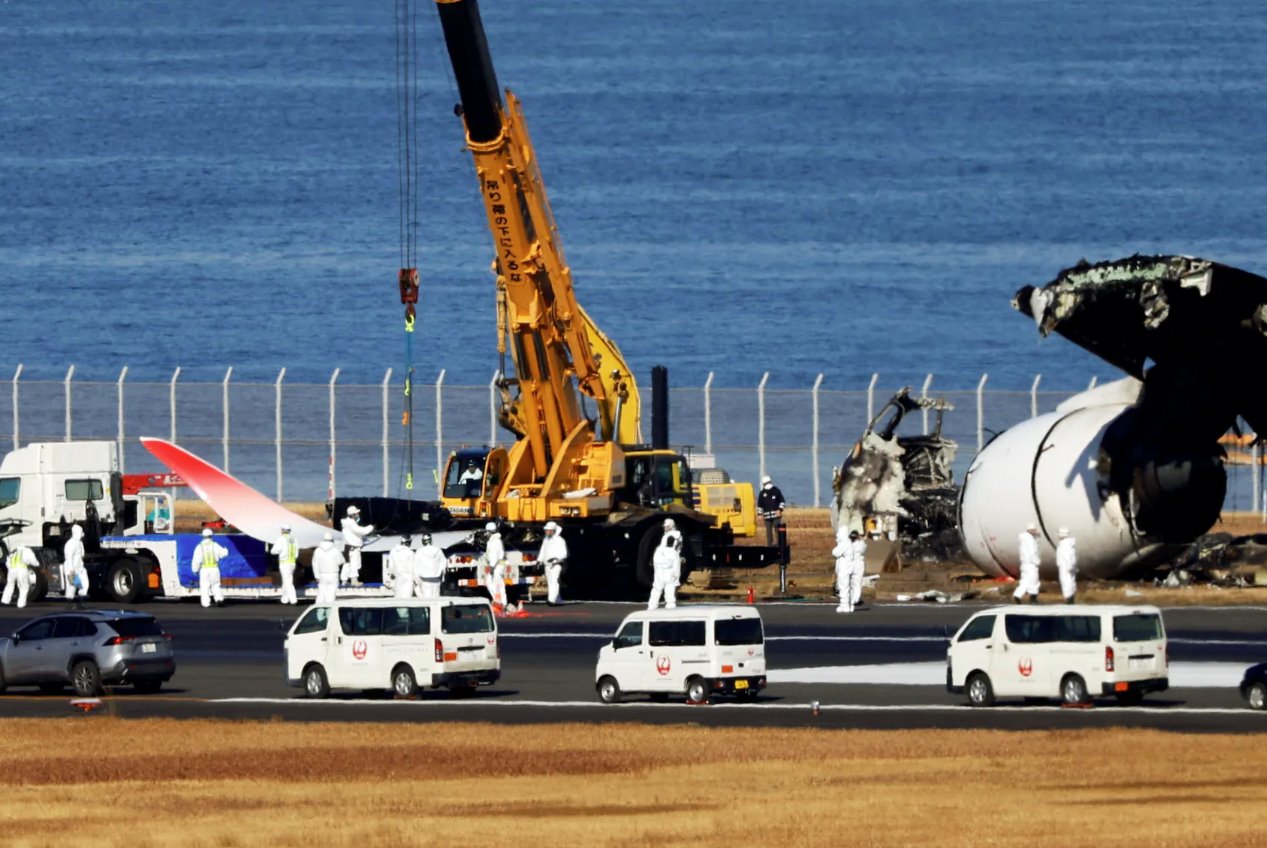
pixel 900 487
pixel 1137 475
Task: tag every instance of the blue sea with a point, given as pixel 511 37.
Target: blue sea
pixel 825 186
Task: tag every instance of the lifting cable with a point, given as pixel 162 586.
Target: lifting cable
pixel 407 178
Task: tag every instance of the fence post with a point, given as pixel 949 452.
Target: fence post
pixel 871 398
pixel 923 395
pixel 277 429
pixel 123 375
pixel 981 411
pixel 492 409
pixel 224 408
pixel 439 431
pixel 1033 396
pixel 708 414
pixel 330 491
pixel 817 382
pixel 171 403
pixel 387 378
pixel 17 375
pixel 70 374
pixel 761 422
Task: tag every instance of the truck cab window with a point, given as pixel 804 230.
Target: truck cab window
pixel 10 487
pixel 84 490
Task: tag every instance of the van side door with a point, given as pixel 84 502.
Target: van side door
pixel 1023 663
pixel 679 650
pixel 359 649
pixel 627 661
pixel 309 642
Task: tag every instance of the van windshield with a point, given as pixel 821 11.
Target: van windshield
pixel 737 631
pixel 466 619
pixel 1139 627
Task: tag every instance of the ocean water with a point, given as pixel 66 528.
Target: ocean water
pixel 827 186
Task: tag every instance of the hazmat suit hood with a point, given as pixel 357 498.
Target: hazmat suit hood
pixel 326 545
pixel 76 531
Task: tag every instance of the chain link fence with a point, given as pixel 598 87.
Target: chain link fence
pixel 302 441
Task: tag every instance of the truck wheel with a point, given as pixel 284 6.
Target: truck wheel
pixel 86 678
pixel 609 690
pixel 123 582
pixel 315 683
pixel 39 586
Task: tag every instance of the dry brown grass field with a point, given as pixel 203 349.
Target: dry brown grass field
pixel 101 781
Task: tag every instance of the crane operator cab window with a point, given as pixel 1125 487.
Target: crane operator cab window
pixel 465 477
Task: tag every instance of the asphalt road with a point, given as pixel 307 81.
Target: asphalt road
pixel 882 667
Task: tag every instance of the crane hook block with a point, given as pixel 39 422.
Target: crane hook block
pixel 409 286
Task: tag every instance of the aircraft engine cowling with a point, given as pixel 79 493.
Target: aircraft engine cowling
pixel 1126 503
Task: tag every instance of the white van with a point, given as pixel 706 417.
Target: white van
pixel 696 651
pixel 401 644
pixel 1068 652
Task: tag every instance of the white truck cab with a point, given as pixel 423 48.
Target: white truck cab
pixel 1070 652
pixel 400 644
pixel 697 651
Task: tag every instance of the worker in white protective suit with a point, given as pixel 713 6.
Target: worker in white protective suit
pixel 206 564
pixel 286 549
pixel 74 575
pixel 429 564
pixel 1067 564
pixel 1027 581
pixel 399 573
pixel 20 562
pixel 843 552
pixel 327 559
pixel 495 568
pixel 553 555
pixel 666 565
pixel 858 550
pixel 354 534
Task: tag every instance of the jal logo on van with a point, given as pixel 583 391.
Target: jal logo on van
pixel 662 664
pixel 1025 667
pixel 360 649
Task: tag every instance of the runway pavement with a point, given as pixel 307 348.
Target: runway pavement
pixel 881 667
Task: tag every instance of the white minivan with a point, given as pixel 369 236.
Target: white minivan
pixel 697 651
pixel 1070 652
pixel 401 644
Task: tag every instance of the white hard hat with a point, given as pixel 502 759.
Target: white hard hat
pixel 328 536
pixel 352 510
pixel 285 528
pixel 491 527
pixel 550 525
pixel 1031 528
pixel 1062 532
pixel 206 531
pixel 765 481
pixel 669 524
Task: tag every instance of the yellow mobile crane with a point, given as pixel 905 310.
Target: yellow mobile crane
pixel 592 475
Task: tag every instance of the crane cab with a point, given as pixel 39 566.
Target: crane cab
pixel 471 478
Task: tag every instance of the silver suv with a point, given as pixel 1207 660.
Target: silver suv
pixel 87 649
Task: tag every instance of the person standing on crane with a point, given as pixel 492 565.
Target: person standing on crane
pixel 326 562
pixel 495 554
pixel 74 575
pixel 20 562
pixel 666 564
pixel 287 552
pixel 429 565
pixel 770 503
pixel 206 564
pixel 399 573
pixel 354 534
pixel 553 554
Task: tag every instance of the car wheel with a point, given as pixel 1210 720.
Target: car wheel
pixel 1256 697
pixel 609 690
pixel 315 683
pixel 404 684
pixel 980 692
pixel 123 582
pixel 697 690
pixel 1073 690
pixel 86 678
pixel 147 685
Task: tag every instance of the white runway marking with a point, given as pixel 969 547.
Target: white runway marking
pixel 798 707
pixel 1186 675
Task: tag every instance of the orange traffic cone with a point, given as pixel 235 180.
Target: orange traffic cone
pixel 752 596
